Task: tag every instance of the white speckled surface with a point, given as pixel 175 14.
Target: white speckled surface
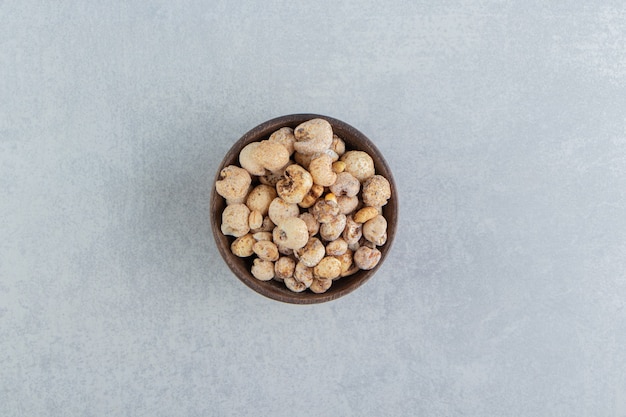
pixel 504 122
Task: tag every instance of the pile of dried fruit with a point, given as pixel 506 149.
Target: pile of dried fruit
pixel 311 219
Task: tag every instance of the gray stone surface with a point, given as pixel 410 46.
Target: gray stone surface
pixel 503 121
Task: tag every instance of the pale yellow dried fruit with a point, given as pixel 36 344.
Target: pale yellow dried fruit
pixel 279 210
pixel 240 199
pixel 345 184
pixel 321 169
pixel 235 220
pixel 242 246
pixel 334 228
pixel 338 145
pixel 337 247
pixel 248 160
pixel 295 185
pixel 328 268
pixel 284 267
pixel 353 231
pixel 375 230
pixel 376 191
pixel 325 210
pixel 359 164
pixel 262 270
pixel 260 198
pixel 320 286
pixel 365 214
pixel 304 274
pixel 313 136
pixel 346 261
pixel 311 197
pixel 259 236
pixel 366 258
pixel 285 137
pixel 294 285
pixel 266 250
pixel 311 253
pixel 255 219
pixel 271 155
pixel 234 183
pixel 291 233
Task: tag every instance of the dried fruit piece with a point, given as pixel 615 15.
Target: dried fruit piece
pixel 248 160
pixel 266 250
pixel 234 183
pixel 353 231
pixel 304 274
pixel 294 285
pixel 271 155
pixel 325 210
pixel 321 169
pixel 346 184
pixel 313 136
pixel 376 191
pixel 312 253
pixel 347 204
pixel 285 137
pixel 260 198
pixel 291 233
pixel 328 268
pixel 279 210
pixel 284 267
pixel 235 220
pixel 311 197
pixel 336 247
pixel 242 246
pixel 366 258
pixel 262 270
pixel 375 230
pixel 295 185
pixel 365 214
pixel 333 229
pixel 359 164
pixel 320 286
pixel 255 219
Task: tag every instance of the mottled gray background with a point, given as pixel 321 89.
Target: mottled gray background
pixel 505 125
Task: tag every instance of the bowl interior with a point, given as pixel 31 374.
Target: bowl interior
pixel 273 289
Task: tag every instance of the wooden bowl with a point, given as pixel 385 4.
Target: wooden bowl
pixel 273 289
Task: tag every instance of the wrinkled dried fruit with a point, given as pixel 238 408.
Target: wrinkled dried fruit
pixel 359 164
pixel 262 270
pixel 242 246
pixel 366 258
pixel 376 191
pixel 233 183
pixel 320 286
pixel 291 233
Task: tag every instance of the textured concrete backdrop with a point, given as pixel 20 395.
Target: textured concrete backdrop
pixel 504 123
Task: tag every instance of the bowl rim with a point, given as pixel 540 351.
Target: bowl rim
pixel 265 288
